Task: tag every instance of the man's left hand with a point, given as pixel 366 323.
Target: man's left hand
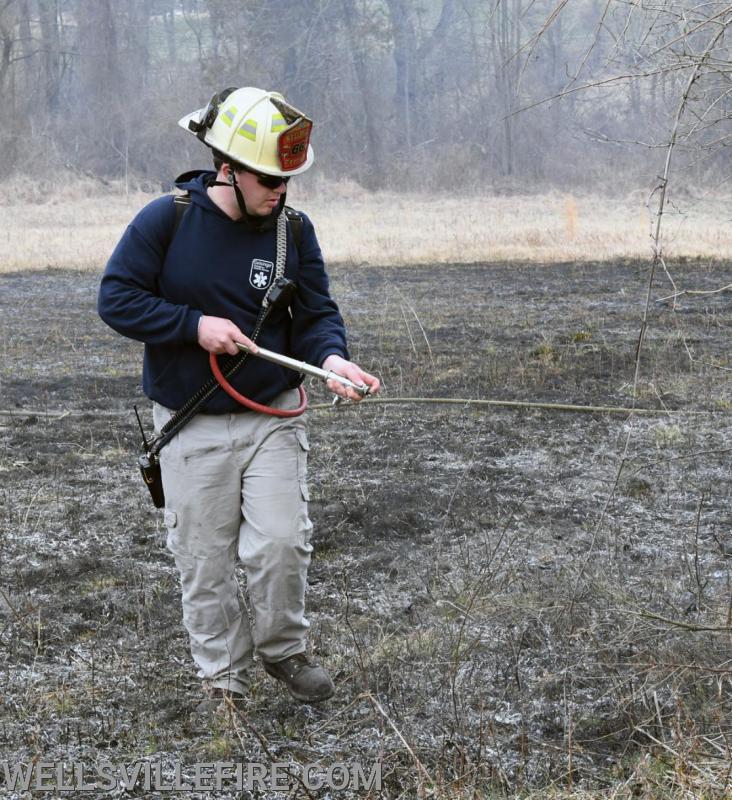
pixel 354 373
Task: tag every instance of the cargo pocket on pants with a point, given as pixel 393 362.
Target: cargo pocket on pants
pixel 170 520
pixel 302 462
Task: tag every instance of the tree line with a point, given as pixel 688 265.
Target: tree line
pixel 423 94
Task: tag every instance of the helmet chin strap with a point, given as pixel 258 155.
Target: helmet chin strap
pixel 252 219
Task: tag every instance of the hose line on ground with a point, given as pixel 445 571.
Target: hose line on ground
pixel 517 404
pixel 458 401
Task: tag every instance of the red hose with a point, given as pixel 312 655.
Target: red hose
pixel 245 401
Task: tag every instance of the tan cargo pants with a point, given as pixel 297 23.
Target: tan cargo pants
pixel 236 485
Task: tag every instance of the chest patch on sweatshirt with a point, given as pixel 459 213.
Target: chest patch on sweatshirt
pixel 260 275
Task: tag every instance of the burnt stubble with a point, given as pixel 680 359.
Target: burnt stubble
pixel 525 598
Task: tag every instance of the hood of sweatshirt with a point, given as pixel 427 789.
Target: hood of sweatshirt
pixel 196 182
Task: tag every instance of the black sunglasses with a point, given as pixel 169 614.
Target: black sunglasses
pixel 268 181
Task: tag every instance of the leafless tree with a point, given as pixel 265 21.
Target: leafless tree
pixel 514 92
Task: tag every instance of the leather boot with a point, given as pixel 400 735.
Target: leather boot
pixel 305 680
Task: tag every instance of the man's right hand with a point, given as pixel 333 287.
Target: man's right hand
pixel 219 335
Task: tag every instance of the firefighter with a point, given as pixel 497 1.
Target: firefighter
pixel 235 480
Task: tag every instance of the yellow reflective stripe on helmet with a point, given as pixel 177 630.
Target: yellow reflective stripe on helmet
pixel 278 123
pixel 228 115
pixel 248 129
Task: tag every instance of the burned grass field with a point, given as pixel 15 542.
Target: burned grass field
pixel 513 602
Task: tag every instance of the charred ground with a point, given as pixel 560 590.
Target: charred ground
pixel 509 600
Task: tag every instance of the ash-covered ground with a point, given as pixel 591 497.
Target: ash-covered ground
pixel 508 599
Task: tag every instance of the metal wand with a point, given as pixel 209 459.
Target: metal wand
pixel 302 366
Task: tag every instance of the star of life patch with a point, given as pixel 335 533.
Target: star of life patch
pixel 260 275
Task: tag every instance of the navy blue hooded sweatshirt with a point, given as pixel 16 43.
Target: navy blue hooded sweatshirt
pixel 155 290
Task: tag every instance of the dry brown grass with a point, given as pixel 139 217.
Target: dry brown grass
pixel 79 226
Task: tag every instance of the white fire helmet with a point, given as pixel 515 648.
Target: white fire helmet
pixel 255 128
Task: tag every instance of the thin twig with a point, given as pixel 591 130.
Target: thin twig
pixel 695 293
pixel 677 755
pixel 16 613
pixel 396 730
pixel 677 623
pixel 239 714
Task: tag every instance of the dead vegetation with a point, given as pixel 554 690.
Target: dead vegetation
pixel 513 603
pixel 79 223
